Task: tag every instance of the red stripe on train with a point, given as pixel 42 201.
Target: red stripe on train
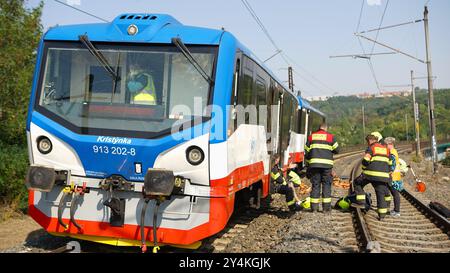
pixel 221 208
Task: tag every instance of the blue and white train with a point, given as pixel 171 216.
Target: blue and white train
pixel 107 169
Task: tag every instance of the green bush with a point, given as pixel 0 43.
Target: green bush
pixel 13 168
pixel 446 161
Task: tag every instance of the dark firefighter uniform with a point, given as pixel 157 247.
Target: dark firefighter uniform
pixel 320 148
pixel 282 187
pixel 376 168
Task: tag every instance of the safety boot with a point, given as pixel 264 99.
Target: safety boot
pixel 314 208
pixel 295 207
pixel 326 208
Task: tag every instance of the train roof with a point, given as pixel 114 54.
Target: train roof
pixel 152 28
pixel 302 103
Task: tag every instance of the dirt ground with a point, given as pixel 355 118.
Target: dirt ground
pixel 437 186
pixel 17 230
pixel 274 231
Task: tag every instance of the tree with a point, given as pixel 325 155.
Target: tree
pixel 385 115
pixel 20 32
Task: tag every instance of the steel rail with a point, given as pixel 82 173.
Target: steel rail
pixel 361 227
pixel 441 222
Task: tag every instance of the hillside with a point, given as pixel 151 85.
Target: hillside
pixel 386 115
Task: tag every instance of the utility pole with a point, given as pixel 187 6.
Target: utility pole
pixel 416 116
pixel 433 144
pixel 406 126
pixel 364 125
pixel 290 79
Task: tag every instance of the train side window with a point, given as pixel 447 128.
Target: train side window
pixel 302 122
pixel 294 123
pixel 286 120
pixel 234 98
pixel 247 94
pixel 261 96
pixel 246 88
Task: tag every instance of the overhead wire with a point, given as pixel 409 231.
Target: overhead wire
pixel 82 11
pixel 369 61
pixel 379 27
pixel 279 51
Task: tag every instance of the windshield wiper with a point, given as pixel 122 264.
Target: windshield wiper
pixel 101 59
pixel 182 47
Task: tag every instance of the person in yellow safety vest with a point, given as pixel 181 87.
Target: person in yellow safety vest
pixel 377 167
pixel 397 184
pixel 319 150
pixel 280 185
pixel 142 87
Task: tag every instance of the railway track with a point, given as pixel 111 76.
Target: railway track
pixel 419 229
pixel 356 231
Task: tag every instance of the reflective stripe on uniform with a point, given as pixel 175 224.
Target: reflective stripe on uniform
pixel 295 178
pixel 361 197
pixel 380 158
pixel 380 150
pixel 335 146
pixel 378 174
pixel 307 148
pixel 321 146
pixel 274 175
pixel 382 210
pixel 322 137
pixel 326 200
pixel 315 200
pixel 321 161
pixel 145 98
pixel 388 198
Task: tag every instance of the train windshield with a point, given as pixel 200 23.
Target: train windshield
pixel 146 90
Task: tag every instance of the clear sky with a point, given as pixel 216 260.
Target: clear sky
pixel 309 32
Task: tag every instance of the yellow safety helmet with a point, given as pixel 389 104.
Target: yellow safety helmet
pixel 306 204
pixel 343 203
pixel 378 135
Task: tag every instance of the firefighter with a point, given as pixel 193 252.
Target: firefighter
pixel 376 166
pixel 280 185
pixel 319 151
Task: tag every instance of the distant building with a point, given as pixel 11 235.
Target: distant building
pixel 318 98
pixel 366 95
pixel 395 94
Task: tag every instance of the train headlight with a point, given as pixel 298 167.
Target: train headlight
pixel 195 155
pixel 44 145
pixel 132 30
pixel 40 178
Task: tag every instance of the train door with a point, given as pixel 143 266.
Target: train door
pixel 276 101
pixel 285 127
pixel 234 96
pixel 307 125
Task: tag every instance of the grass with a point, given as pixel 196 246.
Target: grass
pixel 13 168
pixel 446 161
